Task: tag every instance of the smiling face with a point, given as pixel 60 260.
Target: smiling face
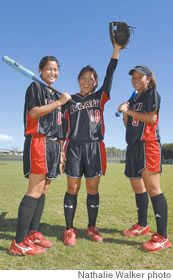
pixel 140 81
pixel 87 83
pixel 50 72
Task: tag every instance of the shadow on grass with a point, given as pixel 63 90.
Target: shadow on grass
pixel 59 230
pixel 56 230
pixel 9 225
pixel 122 241
pixel 6 225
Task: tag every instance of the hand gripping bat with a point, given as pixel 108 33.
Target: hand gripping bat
pixel 117 114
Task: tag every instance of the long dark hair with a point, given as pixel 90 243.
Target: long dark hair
pixel 46 59
pixel 89 68
pixel 152 83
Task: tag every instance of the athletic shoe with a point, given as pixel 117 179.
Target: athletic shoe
pixel 38 239
pixel 157 243
pixel 136 230
pixel 94 234
pixel 27 247
pixel 70 237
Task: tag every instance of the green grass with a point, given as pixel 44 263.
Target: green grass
pixel 117 212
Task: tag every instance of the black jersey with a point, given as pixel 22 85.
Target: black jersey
pixel 148 101
pixel 86 123
pixel 48 125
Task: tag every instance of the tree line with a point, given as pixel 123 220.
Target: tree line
pixel 167 151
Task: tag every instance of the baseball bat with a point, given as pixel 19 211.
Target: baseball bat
pixel 117 114
pixel 31 75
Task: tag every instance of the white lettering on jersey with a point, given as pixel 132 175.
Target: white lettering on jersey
pixel 87 104
pixel 137 107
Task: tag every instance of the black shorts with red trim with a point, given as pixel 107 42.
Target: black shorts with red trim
pixel 88 159
pixel 143 156
pixel 41 156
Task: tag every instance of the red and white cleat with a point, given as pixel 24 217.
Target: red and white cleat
pixel 94 234
pixel 38 239
pixel 157 243
pixel 70 237
pixel 27 247
pixel 136 230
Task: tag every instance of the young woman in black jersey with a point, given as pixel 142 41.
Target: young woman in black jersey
pixel 42 152
pixel 143 157
pixel 84 147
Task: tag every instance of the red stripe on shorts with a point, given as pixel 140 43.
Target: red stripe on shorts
pixel 38 155
pixel 104 99
pixel 153 156
pixel 103 156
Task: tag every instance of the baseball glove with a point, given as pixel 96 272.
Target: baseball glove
pixel 121 35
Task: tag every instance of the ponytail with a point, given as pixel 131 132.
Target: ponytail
pixel 152 83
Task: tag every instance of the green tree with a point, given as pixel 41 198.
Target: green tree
pixel 167 151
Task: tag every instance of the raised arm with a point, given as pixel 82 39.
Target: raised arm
pixel 107 84
pixel 116 51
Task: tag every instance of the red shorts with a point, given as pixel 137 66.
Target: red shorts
pixel 142 156
pixel 41 156
pixel 153 156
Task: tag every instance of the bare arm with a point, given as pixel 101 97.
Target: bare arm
pixel 116 51
pixel 149 117
pixel 62 157
pixel 125 117
pixel 37 112
pixel 61 142
pixel 124 106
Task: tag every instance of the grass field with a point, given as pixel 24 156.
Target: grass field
pixel 117 212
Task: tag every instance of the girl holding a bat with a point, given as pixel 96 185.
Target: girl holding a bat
pixel 42 156
pixel 143 157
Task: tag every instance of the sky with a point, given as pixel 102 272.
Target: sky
pixel 77 33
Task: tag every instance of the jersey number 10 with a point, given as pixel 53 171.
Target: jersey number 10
pixel 95 115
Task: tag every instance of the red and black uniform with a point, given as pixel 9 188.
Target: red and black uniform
pixel 144 149
pixel 85 150
pixel 41 148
